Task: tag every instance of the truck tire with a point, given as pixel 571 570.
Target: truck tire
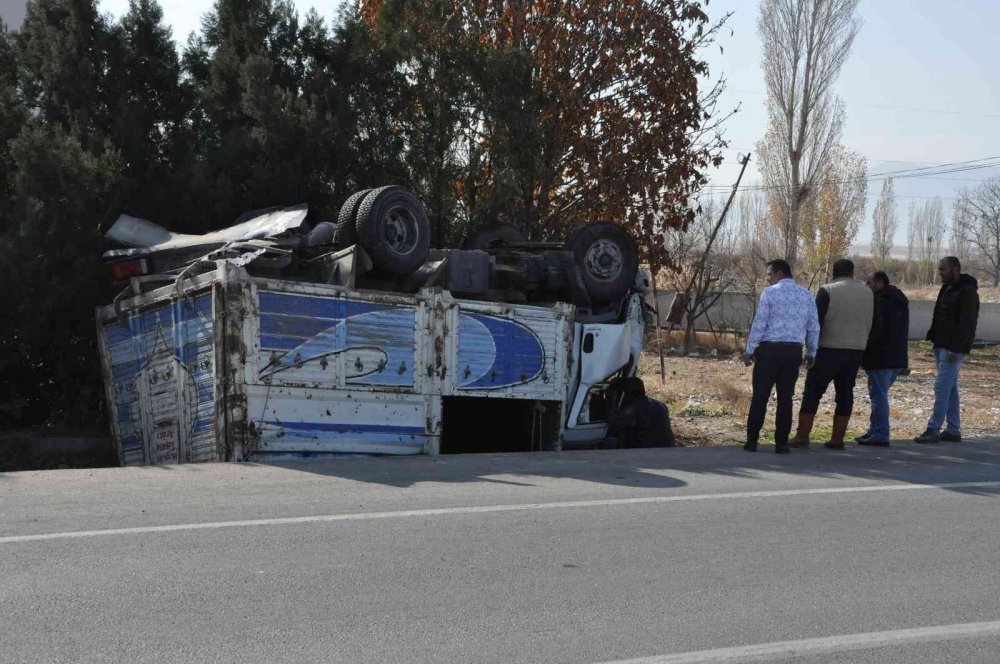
pixel 493 236
pixel 608 259
pixel 392 227
pixel 345 234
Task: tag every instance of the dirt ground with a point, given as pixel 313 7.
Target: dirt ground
pixel 709 394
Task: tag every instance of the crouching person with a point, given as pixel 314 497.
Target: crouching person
pixel 886 355
pixel 637 420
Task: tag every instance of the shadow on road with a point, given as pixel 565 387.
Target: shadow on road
pixel 973 460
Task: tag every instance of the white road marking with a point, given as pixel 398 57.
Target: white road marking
pixel 769 652
pixel 486 509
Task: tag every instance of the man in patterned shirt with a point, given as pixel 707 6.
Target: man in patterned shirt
pixel 786 318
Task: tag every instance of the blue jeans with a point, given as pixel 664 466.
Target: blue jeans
pixel 946 393
pixel 879 382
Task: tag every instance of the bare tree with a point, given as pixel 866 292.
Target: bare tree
pixel 958 244
pixel 702 256
pixel 805 44
pixel 977 225
pixel 758 240
pixel 884 224
pixel 706 257
pixel 913 231
pixel 926 235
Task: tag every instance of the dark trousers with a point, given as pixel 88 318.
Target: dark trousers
pixel 839 365
pixel 775 365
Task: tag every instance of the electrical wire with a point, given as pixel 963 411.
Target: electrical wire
pixel 901 174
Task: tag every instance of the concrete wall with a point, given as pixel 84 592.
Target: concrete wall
pixel 734 311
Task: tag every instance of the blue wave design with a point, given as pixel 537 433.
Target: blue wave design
pixel 518 355
pixel 300 339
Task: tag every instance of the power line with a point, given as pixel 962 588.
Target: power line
pixel 908 173
pixel 915 109
pixel 901 161
pixel 871 159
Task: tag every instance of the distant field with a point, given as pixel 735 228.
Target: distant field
pixel 987 294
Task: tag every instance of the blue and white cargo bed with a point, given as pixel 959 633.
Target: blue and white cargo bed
pixel 225 366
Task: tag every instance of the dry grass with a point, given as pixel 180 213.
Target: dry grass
pixel 709 397
pixel 723 342
pixel 732 393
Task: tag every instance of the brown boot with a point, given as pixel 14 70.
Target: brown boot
pixel 801 440
pixel 836 441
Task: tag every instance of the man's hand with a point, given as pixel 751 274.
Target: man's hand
pixel 808 361
pixel 747 359
pixel 950 357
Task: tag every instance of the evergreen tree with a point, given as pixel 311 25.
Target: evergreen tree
pixel 12 115
pixel 248 67
pixel 372 85
pixel 64 186
pixel 150 112
pixel 63 53
pixel 53 278
pixel 429 42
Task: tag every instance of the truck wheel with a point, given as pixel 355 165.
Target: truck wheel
pixel 608 259
pixel 345 234
pixel 392 227
pixel 494 236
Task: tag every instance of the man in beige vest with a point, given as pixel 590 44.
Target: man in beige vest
pixel 846 314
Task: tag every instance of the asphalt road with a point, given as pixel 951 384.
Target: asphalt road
pixel 677 555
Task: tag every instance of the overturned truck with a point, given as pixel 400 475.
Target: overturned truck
pixel 277 339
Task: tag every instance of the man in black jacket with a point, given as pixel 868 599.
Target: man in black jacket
pixel 953 329
pixel 886 354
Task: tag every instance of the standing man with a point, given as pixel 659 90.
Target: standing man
pixel 886 355
pixel 785 319
pixel 953 328
pixel 846 312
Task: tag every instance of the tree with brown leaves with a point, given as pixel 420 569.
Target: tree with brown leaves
pixel 574 111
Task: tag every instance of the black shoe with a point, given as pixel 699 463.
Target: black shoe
pixel 951 437
pixel 860 440
pixel 928 437
pixel 873 443
pixel 750 447
pixel 782 449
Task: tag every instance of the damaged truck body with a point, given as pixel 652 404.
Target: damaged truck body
pixel 274 339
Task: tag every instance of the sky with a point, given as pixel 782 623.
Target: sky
pixel 921 87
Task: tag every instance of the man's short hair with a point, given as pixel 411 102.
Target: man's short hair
pixel 843 267
pixel 780 265
pixel 880 275
pixel 952 261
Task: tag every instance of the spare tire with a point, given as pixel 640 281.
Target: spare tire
pixel 392 227
pixel 345 234
pixel 608 259
pixel 493 236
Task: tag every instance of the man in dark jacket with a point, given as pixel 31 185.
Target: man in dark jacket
pixel 885 355
pixel 953 329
